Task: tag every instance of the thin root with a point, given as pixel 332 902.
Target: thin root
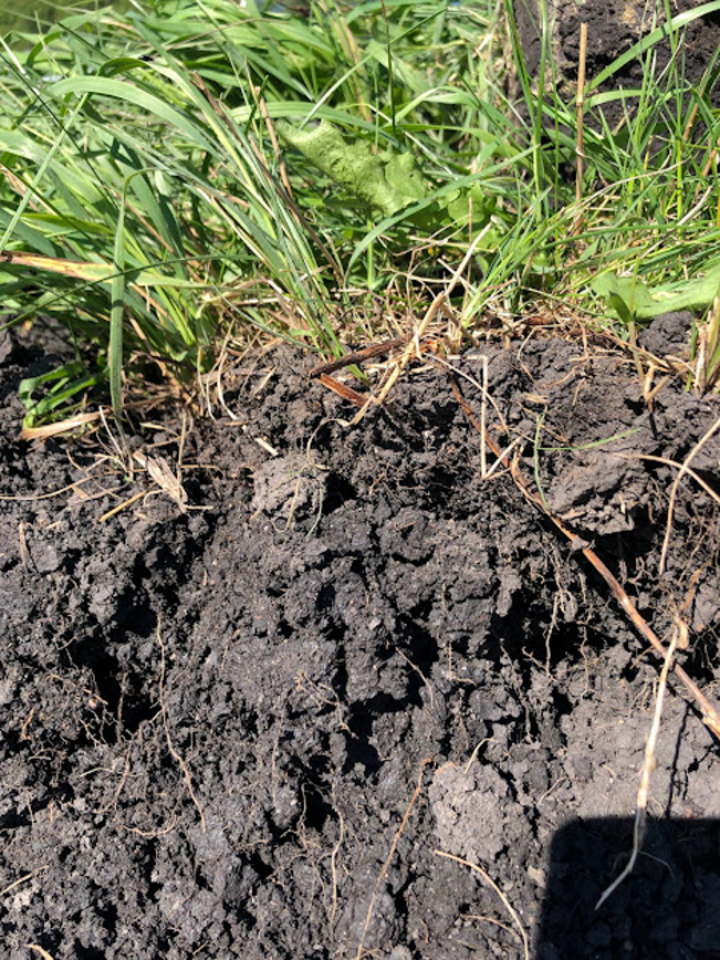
pixel 648 767
pixel 491 883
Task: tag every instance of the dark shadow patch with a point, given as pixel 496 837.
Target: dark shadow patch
pixel 667 908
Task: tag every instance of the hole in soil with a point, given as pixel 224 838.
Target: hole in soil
pixel 262 869
pixel 122 692
pixel 358 749
pixel 87 953
pixel 421 651
pixel 338 491
pixel 109 914
pixel 562 644
pixel 316 810
pixel 136 709
pixel 562 703
pixel 450 491
pixel 92 653
pixel 326 597
pixel 49 942
pixel 138 617
pixel 654 913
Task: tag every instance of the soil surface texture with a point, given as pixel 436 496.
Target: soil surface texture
pixel 346 692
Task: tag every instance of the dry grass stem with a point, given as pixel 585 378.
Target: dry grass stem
pixel 481 425
pixel 491 883
pixel 413 348
pixel 388 861
pixel 673 493
pixel 60 427
pixel 580 145
pixel 43 953
pixel 333 868
pixel 678 466
pixel 707 363
pixel 122 506
pixel 710 714
pixel 23 879
pixel 32 498
pixel 163 709
pixel 165 478
pixel 648 767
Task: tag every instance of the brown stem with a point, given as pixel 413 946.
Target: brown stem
pixel 709 712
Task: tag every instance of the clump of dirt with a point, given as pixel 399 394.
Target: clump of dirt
pixel 356 697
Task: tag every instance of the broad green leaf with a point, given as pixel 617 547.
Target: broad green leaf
pixel 631 295
pixel 385 181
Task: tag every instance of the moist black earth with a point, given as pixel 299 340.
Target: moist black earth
pixel 350 694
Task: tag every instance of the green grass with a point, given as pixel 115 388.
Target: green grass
pixel 181 172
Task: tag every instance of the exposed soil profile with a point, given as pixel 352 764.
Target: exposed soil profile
pixel 352 699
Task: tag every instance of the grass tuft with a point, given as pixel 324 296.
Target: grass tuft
pixel 184 169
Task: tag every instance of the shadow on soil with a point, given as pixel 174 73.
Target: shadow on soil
pixel 667 907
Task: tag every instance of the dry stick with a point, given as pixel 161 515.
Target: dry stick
pixel 343 390
pixel 357 356
pixel 710 714
pixel 491 883
pixel 386 865
pixel 483 418
pixel 673 495
pixel 322 370
pixel 648 767
pixel 580 146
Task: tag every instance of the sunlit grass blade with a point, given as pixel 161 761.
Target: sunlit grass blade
pixel 157 190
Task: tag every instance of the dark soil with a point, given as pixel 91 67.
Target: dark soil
pixel 613 29
pixel 264 726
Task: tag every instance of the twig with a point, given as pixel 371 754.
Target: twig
pixel 648 767
pixel 358 356
pixel 343 390
pixel 709 712
pixel 491 883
